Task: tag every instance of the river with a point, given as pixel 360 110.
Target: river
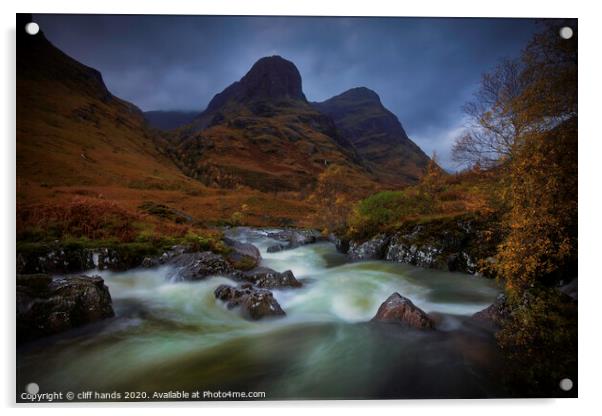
pixel 176 336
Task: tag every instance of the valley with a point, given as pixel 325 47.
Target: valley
pixel 307 249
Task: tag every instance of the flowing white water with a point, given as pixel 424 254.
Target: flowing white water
pixel 177 335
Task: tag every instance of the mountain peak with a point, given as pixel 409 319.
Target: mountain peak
pixel 270 78
pixel 376 134
pixel 358 94
pixel 273 61
pixel 362 92
pixel 273 77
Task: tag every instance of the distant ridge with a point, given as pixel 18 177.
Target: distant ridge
pixel 376 134
pixel 261 132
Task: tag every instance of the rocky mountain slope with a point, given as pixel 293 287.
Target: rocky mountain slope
pixel 261 132
pixel 377 135
pixel 72 131
pixel 77 143
pixel 256 151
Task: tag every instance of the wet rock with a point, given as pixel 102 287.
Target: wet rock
pixel 399 309
pixel 47 304
pixel 199 265
pixel 341 244
pixel 254 303
pixel 243 256
pixel 165 257
pixel 278 247
pixel 461 262
pixel 296 238
pixel 570 289
pixel 149 262
pixel 118 260
pixel 265 277
pixel 425 255
pixel 453 245
pixel 494 314
pixel 54 259
pixel 373 249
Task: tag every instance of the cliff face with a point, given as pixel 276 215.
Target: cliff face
pixel 377 135
pixel 271 78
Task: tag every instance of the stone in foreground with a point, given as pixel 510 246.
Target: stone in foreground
pixel 254 303
pixel 48 305
pixel 495 314
pixel 399 309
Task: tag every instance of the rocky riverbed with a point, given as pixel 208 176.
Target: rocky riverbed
pixel 289 317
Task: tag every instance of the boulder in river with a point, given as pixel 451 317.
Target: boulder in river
pixel 495 313
pixel 199 265
pixel 399 309
pixel 295 238
pixel 265 277
pixel 275 248
pixel 340 243
pixel 166 257
pixel 373 249
pixel 47 304
pixel 254 303
pixel 243 256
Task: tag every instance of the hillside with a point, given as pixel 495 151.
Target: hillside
pixel 262 133
pixel 78 142
pixel 377 135
pixel 255 154
pixel 72 131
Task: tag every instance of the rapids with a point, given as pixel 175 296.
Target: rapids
pixel 176 336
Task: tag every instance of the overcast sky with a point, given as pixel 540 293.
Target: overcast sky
pixel 424 69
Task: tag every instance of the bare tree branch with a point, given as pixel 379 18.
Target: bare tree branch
pixel 493 124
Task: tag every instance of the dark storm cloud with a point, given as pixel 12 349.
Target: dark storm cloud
pixel 423 69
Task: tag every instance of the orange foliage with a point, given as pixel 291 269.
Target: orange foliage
pixel 82 217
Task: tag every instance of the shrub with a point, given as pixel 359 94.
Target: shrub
pixel 94 219
pixel 164 212
pixel 236 218
pixel 198 242
pixel 385 209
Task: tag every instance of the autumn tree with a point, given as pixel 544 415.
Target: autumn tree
pixel 542 195
pixel 432 179
pixel 331 198
pixel 493 123
pixel 540 249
